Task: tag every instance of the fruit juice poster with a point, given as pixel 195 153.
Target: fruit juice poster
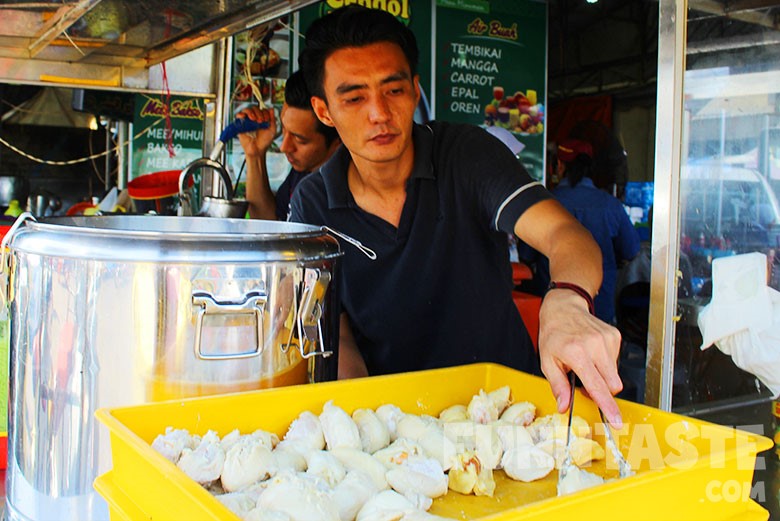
pixel 491 69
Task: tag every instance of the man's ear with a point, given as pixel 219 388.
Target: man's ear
pixel 320 108
pixel 416 83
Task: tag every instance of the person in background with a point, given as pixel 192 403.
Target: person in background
pixel 306 143
pixel 434 203
pixel 639 268
pixel 601 213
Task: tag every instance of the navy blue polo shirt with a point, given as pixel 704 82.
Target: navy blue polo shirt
pixel 285 191
pixel 439 292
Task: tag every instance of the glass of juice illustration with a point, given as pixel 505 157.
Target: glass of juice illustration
pixel 498 93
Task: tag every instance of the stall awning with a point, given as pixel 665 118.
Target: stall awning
pixel 106 43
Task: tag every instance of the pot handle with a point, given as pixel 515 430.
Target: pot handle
pixel 9 235
pixel 368 252
pixel 309 314
pixel 4 267
pixel 252 304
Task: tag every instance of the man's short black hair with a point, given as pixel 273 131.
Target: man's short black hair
pixel 296 95
pixel 351 26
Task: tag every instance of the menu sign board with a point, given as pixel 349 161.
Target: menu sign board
pixel 154 142
pixel 491 69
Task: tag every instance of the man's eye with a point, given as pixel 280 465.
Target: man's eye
pixel 353 99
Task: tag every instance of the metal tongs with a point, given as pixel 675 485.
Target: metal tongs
pixel 567 464
pixel 624 468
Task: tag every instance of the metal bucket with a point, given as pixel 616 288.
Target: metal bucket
pixel 122 310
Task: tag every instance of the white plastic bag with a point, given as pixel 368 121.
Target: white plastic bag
pixel 743 317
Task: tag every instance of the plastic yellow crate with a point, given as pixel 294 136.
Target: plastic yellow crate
pixel 687 469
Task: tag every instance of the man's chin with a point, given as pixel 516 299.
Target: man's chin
pixel 294 164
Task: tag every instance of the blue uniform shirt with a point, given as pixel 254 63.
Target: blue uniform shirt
pixel 604 217
pixel 439 292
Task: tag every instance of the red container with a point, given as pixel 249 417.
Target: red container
pixel 79 208
pixel 158 185
pixel 3 450
pixel 156 192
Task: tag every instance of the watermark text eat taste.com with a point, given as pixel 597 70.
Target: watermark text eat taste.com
pixel 685 446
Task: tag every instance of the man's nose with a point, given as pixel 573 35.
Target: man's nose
pixel 287 143
pixel 379 110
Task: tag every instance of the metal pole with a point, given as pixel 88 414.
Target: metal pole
pixel 222 107
pixel 666 202
pixel 122 154
pixel 107 169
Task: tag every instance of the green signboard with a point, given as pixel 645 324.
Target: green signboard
pixel 151 152
pixel 491 69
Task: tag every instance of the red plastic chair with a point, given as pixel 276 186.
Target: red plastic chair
pixel 520 272
pixel 529 305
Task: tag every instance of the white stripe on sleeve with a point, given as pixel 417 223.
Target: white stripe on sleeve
pixel 513 196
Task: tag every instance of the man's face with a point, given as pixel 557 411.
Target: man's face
pixel 371 96
pixel 304 147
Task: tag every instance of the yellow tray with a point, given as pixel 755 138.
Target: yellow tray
pixel 688 469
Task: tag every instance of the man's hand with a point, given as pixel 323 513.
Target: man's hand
pixel 570 338
pixel 262 203
pixel 257 143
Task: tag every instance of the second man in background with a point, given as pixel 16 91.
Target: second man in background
pixel 306 143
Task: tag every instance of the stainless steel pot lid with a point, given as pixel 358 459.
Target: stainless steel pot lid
pixel 146 238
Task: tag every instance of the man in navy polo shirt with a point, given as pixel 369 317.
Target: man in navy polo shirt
pixel 435 202
pixel 306 143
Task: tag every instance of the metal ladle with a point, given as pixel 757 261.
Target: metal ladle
pixel 212 206
pixel 217 206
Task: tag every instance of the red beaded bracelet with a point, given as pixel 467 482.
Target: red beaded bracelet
pixel 579 290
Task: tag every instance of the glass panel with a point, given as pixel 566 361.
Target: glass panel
pixel 728 193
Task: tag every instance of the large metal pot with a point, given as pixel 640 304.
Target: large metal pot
pixel 120 310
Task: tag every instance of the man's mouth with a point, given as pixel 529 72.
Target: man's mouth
pixel 384 138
